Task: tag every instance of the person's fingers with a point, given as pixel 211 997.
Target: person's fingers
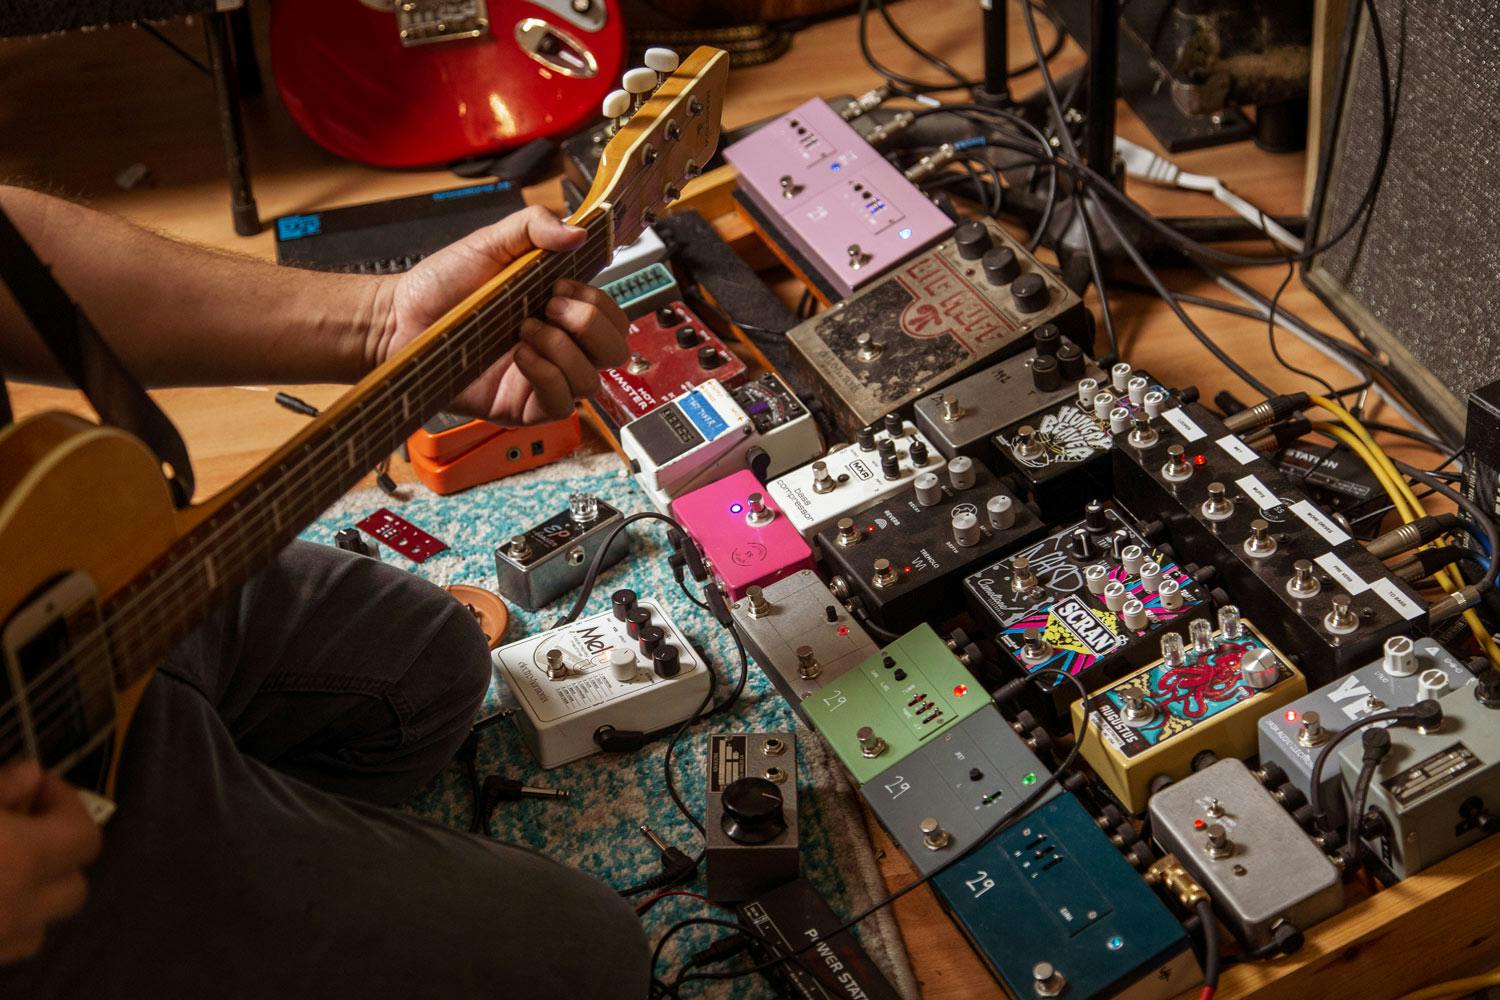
pixel 21 944
pixel 559 348
pixel 71 835
pixel 550 395
pixel 592 327
pixel 531 228
pixel 20 782
pixel 62 897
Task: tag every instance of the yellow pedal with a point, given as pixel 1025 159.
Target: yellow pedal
pixel 1207 692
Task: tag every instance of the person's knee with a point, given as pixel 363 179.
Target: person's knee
pixel 448 676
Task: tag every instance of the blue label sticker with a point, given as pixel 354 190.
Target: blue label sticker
pixel 294 227
pixel 469 192
pixel 696 407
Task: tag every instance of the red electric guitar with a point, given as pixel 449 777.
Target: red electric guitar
pixel 408 83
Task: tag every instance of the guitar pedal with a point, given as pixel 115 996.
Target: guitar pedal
pixel 889 704
pixel 750 814
pixel 746 539
pixel 1062 454
pixel 643 292
pixel 931 320
pixel 630 669
pixel 879 464
pixel 671 351
pixel 901 558
pixel 444 465
pixel 537 566
pixel 1204 694
pixel 830 198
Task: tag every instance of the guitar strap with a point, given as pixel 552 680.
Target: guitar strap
pixel 87 360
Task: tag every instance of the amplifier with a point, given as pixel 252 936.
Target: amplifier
pixel 891 703
pixel 1204 695
pixel 904 557
pixel 1092 598
pixel 826 192
pixel 1314 589
pixel 537 566
pixel 745 538
pixel 1055 911
pixel 934 318
pixel 800 634
pixel 671 351
pixel 749 814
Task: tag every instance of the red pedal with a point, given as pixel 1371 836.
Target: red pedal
pixel 401 535
pixel 671 351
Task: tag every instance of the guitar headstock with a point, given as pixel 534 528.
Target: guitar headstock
pixel 660 146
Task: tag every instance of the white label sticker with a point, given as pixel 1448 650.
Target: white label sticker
pixel 1184 424
pixel 1392 595
pixel 1237 449
pixel 1340 571
pixel 1320 522
pixel 1259 492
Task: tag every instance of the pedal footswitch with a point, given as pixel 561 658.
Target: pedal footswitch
pixel 750 814
pixel 537 566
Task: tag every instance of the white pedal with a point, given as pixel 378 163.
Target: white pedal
pixel 853 477
pixel 671 448
pixel 647 249
pixel 572 681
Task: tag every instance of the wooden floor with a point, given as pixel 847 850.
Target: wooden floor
pixel 76 110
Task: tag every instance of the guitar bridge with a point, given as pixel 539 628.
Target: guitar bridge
pixel 422 22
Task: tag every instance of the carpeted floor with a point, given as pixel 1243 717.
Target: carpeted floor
pixel 597 829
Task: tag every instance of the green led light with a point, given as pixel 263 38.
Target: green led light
pixel 1030 779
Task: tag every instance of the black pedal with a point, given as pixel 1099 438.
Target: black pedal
pixel 1339 482
pixel 750 814
pixel 834 968
pixel 905 557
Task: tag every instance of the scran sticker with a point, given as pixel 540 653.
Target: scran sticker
pixel 1237 449
pixel 1340 571
pixel 1259 492
pixel 1184 424
pixel 1320 522
pixel 1400 602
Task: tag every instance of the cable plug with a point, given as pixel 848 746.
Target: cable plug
pixel 1267 411
pixel 1408 536
pixel 721 950
pixel 676 867
pixel 719 606
pixel 612 740
pixel 1455 603
pixel 1426 715
pixel 683 546
pixel 1377 742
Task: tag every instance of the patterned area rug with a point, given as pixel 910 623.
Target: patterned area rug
pixel 612 795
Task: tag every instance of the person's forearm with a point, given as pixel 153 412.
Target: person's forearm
pixel 184 315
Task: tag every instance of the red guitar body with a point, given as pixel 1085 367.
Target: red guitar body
pixel 427 82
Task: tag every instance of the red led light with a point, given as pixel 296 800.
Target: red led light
pixel 959 690
pixel 1198 824
pixel 843 630
pixel 869 527
pixel 1199 459
pixel 1291 715
pixel 906 569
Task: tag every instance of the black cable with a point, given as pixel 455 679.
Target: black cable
pixel 1315 790
pixel 1406 432
pixel 911 86
pixel 586 588
pixel 1477 521
pixel 1210 928
pixel 1272 313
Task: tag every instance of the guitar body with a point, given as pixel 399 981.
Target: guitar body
pixel 81 498
pixel 538 68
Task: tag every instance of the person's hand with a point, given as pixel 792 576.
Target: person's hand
pixel 46 838
pixel 557 361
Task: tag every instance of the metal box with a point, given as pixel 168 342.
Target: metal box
pixel 750 814
pixel 538 566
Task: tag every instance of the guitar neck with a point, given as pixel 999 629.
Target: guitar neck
pixel 243 528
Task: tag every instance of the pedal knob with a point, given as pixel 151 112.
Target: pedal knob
pixel 929 489
pixel 965 529
pixel 666 661
pixel 708 357
pixel 1119 377
pixel 1070 361
pixel 1044 373
pixel 865 438
pixel 1400 656
pixel 890 466
pixel 1260 669
pixel 934 837
pixel 893 425
pixel 650 640
pixel 1029 292
pixel 754 811
pixel 1131 558
pixel 1094 518
pixel 972 240
pixel 622 663
pixel 961 472
pixel 622 602
pixel 918 454
pixel 1170 592
pixel 1431 684
pixel 1001 510
pixel 1150 576
pixel 1081 546
pixel 1000 265
pixel 687 337
pixel 635 619
pixel 1134 613
pixel 1046 339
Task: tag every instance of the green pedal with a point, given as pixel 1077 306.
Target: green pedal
pixel 642 291
pixel 893 702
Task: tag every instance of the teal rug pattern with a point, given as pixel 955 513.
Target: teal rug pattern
pixel 597 830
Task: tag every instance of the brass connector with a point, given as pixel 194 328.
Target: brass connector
pixel 1168 872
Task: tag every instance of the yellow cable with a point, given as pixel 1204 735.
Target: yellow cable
pixel 1456 987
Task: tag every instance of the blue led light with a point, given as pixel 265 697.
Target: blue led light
pixel 735 508
pixel 1115 943
pixel 905 234
pixel 835 165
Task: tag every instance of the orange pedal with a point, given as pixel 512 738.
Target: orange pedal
pixel 445 436
pixel 511 450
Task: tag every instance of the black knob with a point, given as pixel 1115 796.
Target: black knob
pixel 886 447
pixel 1044 373
pixel 687 337
pixel 1070 361
pixel 1000 265
pixel 892 424
pixel 753 811
pixel 975 774
pixel 1047 338
pixel 831 613
pixel 890 466
pixel 636 618
pixel 972 239
pixel 1030 293
pixel 918 452
pixel 1082 547
pixel 666 662
pixel 1094 518
pixel 650 639
pixel 623 602
pixel 866 439
pixel 708 357
pixel 667 316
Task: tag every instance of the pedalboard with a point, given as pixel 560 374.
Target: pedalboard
pixel 1437 792
pixel 1203 695
pixel 975 297
pixel 1265 876
pixel 1409 671
pixel 891 703
pixel 901 558
pixel 750 814
pixel 945 795
pixel 829 195
pixel 671 351
pixel 745 538
pixel 834 968
pixel 1091 599
pixel 537 566
pixel 800 634
pixel 964 418
pixel 505 452
pixel 880 463
pixel 1054 910
pixel 642 292
pixel 1320 595
pixel 627 670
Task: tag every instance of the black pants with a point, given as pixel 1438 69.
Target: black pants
pixel 251 855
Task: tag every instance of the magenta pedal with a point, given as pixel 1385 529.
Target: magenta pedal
pixel 746 538
pixel 671 351
pixel 833 198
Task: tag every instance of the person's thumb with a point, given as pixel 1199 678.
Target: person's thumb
pixel 19 783
pixel 533 228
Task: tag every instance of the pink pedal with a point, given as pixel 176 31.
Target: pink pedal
pixel 745 537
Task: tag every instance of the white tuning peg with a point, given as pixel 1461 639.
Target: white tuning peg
pixel 663 61
pixel 638 83
pixel 616 107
